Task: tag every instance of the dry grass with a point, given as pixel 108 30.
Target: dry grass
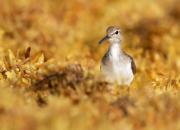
pixel 49 65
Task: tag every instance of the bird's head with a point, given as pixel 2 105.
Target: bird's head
pixel 113 35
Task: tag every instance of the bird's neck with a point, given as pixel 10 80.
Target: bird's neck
pixel 115 49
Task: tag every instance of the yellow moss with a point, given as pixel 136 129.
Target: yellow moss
pixel 49 65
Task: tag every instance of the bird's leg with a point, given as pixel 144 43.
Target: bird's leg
pixel 114 89
pixel 117 90
pixel 128 91
pixel 124 90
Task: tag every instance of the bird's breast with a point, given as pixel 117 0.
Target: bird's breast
pixel 122 68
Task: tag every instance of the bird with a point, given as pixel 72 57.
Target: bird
pixel 116 65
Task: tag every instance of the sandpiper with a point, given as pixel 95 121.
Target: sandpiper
pixel 116 65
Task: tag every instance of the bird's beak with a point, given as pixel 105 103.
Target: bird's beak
pixel 104 39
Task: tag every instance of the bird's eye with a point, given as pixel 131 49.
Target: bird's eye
pixel 116 32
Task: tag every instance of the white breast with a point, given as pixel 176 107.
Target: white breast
pixel 119 67
pixel 122 71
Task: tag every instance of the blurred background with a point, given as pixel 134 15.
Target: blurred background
pixel 48 45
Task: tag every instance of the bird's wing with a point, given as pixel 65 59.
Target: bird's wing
pixel 105 59
pixel 133 65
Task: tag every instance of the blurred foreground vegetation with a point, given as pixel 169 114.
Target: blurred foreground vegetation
pixel 49 65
